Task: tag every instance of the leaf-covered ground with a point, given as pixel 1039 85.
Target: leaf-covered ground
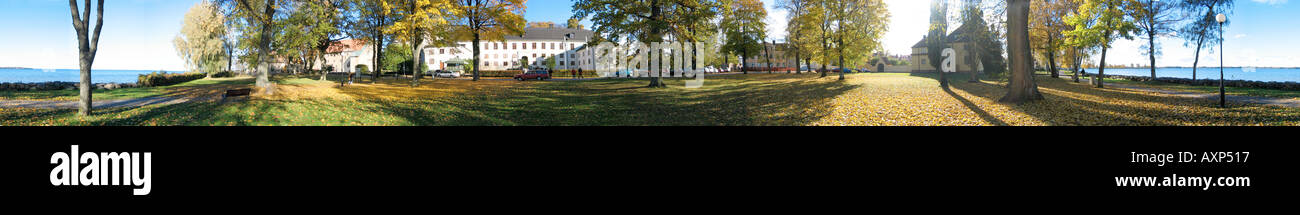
pixel 760 99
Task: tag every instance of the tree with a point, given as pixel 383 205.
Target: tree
pixel 574 24
pixel 819 21
pixel 745 29
pixel 1111 22
pixel 419 21
pixel 1155 19
pixel 87 46
pixel 368 21
pixel 1046 25
pixel 647 21
pixel 307 31
pixel 979 36
pixel 859 26
pixel 486 19
pixel 323 23
pixel 937 38
pixel 259 15
pixel 1021 86
pixel 202 40
pixel 1203 30
pixel 794 38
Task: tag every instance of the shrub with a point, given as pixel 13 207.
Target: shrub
pixel 361 68
pixel 162 78
pixel 223 74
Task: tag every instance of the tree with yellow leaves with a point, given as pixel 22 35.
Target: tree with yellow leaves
pixel 485 19
pixel 418 22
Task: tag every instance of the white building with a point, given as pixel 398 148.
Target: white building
pixel 345 55
pixel 536 43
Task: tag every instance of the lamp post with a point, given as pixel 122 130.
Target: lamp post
pixel 1223 100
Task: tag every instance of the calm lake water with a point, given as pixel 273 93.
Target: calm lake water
pixel 1259 74
pixel 70 75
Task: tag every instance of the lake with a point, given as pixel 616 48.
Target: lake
pixel 70 75
pixel 1259 74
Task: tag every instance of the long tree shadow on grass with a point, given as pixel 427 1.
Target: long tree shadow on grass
pixel 726 101
pixel 1078 104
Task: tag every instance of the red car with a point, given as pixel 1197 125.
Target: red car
pixel 536 75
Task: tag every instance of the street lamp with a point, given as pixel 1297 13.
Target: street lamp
pixel 1223 100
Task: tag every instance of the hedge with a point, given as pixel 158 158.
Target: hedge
pixel 155 79
pixel 1211 82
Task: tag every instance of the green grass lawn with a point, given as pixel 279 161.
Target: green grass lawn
pixel 756 99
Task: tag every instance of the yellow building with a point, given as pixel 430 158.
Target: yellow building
pixel 960 44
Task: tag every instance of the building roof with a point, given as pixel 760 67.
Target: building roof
pixel 955 37
pixel 346 45
pixel 552 34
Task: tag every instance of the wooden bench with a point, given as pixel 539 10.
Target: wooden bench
pixel 237 92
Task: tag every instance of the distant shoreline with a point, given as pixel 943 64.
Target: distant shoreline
pixel 20 68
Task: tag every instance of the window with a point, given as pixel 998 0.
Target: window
pixel 561 63
pixel 442 51
pixel 514 46
pixel 571 46
pixel 573 63
pixel 534 45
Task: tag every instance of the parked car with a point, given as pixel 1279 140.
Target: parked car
pixel 446 74
pixel 534 75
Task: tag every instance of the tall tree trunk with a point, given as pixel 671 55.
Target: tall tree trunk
pixel 87 47
pixel 264 71
pixel 797 68
pixel 656 35
pixel 1051 56
pixel 1197 59
pixel 1077 62
pixel 378 59
pixel 1021 87
pixel 1151 52
pixel 476 54
pixel 1101 69
pixel 417 58
pixel 841 42
pixel 768 53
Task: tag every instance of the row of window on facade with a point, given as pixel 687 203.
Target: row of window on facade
pixel 513 46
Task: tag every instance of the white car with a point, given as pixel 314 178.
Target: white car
pixel 446 74
pixel 710 69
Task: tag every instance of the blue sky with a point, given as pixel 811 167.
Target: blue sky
pixel 138 33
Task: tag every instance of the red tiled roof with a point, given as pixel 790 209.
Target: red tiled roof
pixel 345 46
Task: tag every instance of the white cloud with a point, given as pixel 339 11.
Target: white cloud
pixel 1239 36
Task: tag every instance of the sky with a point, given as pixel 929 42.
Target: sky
pixel 137 34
